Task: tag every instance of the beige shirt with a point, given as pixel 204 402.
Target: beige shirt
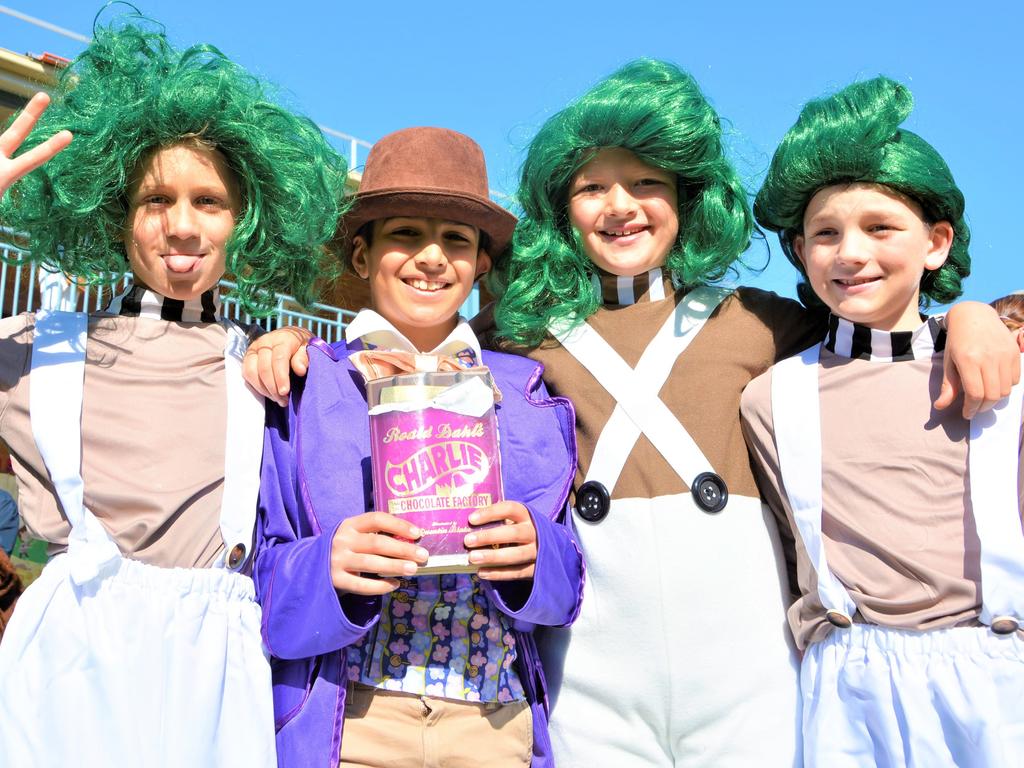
pixel 897 521
pixel 153 434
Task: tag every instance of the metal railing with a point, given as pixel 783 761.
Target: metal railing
pixel 27 287
pixel 353 145
pixel 321 320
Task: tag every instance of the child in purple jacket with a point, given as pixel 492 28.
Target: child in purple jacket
pixel 372 664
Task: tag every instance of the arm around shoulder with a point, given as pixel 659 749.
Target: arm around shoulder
pixel 982 358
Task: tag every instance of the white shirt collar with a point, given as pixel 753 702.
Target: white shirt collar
pixel 372 328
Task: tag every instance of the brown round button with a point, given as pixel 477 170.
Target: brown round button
pixel 236 556
pixel 837 619
pixel 1005 625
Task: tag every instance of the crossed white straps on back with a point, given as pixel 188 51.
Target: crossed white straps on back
pixel 993 459
pixel 638 406
pixel 55 408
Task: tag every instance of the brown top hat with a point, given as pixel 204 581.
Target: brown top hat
pixel 432 172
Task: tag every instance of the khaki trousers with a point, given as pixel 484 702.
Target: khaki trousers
pixel 386 729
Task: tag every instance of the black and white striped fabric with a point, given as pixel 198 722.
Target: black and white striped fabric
pixel 619 290
pixel 849 339
pixel 139 301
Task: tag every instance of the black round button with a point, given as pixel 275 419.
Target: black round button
pixel 710 492
pixel 593 501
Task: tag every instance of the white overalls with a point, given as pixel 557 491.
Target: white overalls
pixel 680 656
pixel 880 696
pixel 112 662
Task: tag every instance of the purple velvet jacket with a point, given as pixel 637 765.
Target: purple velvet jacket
pixel 316 473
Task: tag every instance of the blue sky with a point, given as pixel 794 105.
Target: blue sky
pixel 496 71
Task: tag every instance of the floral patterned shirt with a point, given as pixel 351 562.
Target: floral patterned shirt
pixel 439 636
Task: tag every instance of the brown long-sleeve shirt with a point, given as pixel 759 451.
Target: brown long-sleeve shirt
pixel 749 331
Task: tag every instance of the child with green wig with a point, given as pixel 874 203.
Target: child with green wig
pixel 134 439
pixel 631 211
pixel 907 519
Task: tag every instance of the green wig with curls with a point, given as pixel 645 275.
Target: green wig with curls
pixel 131 93
pixel 657 111
pixel 854 137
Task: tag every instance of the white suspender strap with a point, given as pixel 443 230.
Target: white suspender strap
pixel 55 413
pixel 639 409
pixel 55 404
pixel 796 415
pixel 994 460
pixel 243 452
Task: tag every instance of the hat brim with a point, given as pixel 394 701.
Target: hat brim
pixel 482 213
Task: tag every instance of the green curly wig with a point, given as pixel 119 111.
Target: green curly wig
pixel 853 137
pixel 131 93
pixel 658 112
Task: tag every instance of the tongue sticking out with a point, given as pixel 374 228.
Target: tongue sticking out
pixel 181 263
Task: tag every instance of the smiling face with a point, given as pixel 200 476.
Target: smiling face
pixel 182 207
pixel 624 211
pixel 865 249
pixel 420 272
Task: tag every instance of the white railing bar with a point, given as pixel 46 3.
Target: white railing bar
pixel 33 277
pixel 17 292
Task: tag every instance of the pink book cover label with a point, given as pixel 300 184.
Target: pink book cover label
pixel 434 467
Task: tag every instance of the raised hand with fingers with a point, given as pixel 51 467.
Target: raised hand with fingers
pixel 13 168
pixel 365 545
pixel 504 552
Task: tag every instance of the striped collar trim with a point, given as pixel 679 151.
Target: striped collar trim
pixel 848 339
pixel 139 301
pixel 619 290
